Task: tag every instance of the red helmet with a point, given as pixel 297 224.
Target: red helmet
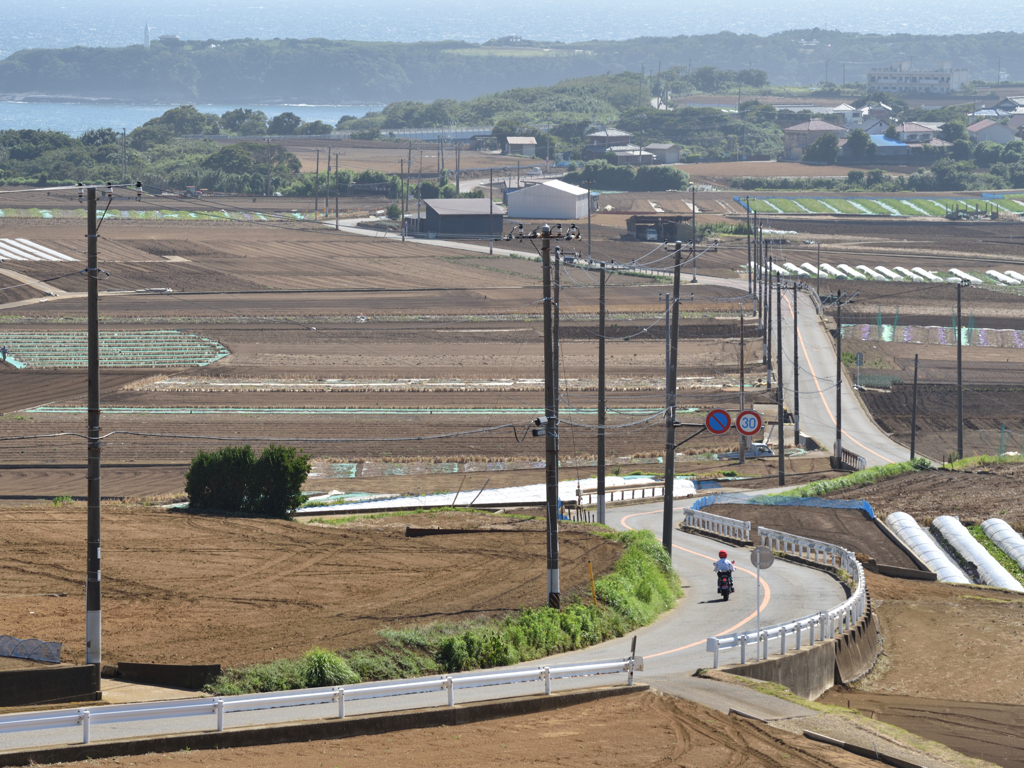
pixel 723 554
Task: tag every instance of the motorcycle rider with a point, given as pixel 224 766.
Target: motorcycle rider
pixel 722 564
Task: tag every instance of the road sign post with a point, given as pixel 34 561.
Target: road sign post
pixel 718 421
pixel 761 557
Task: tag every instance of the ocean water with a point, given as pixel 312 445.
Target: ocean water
pixel 61 23
pixel 75 119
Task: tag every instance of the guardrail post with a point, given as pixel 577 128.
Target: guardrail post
pixel 822 620
pixel 85 726
pixel 782 638
pixel 340 693
pixel 798 628
pixel 764 652
pixel 545 674
pixel 219 707
pixel 743 650
pixel 451 691
pixel 716 653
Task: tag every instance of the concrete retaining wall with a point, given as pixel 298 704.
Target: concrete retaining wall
pixel 189 676
pixel 814 669
pixel 49 685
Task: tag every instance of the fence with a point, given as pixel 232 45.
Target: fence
pixel 721 526
pixel 826 624
pixel 32 649
pixel 219 707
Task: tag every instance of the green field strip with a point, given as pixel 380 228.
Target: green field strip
pixel 759 205
pixel 871 206
pixel 1016 206
pixel 901 207
pixel 812 205
pixel 843 206
pixel 785 205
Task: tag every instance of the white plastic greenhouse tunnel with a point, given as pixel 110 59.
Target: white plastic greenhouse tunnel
pixel 989 570
pixel 921 544
pixel 1004 537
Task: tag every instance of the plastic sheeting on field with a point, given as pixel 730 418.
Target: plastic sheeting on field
pixel 1004 537
pixel 921 544
pixel 989 570
pixel 784 501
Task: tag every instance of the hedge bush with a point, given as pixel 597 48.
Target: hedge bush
pixel 234 480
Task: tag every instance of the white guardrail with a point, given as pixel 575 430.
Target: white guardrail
pixel 721 526
pixel 85 717
pixel 826 624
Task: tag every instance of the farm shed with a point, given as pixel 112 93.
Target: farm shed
pixel 665 154
pixel 548 200
pixel 659 228
pixel 524 146
pixel 462 217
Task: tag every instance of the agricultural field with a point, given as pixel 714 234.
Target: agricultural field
pixel 879 206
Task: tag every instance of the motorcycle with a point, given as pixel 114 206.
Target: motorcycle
pixel 725 587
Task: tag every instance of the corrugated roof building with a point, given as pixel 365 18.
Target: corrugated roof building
pixel 548 200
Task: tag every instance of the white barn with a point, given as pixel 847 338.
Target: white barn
pixel 548 200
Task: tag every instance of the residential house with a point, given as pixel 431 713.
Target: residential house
pixel 885 147
pixel 1010 105
pixel 522 146
pixel 874 126
pixel 990 130
pixel 666 154
pixel 601 141
pixel 799 137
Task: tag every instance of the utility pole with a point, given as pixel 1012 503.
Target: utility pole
pixel 743 406
pixel 818 289
pixel 670 406
pixel 693 240
pixel 316 187
pixel 550 423
pixel 913 416
pixel 796 373
pixel 590 202
pixel 959 376
pixel 458 169
pixel 750 273
pixel 768 323
pixel 93 622
pixel 327 187
pixel 401 187
pixel 781 394
pixel 757 277
pixel 839 381
pixel 124 156
pixel 601 405
pixel 267 191
pixel 490 218
pixel 337 213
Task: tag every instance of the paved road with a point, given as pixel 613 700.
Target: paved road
pixel 673 647
pixel 817 361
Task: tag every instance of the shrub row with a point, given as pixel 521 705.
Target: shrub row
pixel 864 477
pixel 234 480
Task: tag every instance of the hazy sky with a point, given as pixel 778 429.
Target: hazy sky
pixel 59 23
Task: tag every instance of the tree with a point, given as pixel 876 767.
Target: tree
pixel 857 142
pixel 285 124
pixel 245 122
pixel 962 149
pixel 954 130
pixel 987 153
pixel 316 128
pixel 856 178
pixel 233 480
pixel 99 136
pixel 825 149
pixel 891 133
pixel 186 120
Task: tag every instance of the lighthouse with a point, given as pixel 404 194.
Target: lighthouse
pixel 145 36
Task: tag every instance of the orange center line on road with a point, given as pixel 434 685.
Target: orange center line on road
pixel 751 617
pixel 821 393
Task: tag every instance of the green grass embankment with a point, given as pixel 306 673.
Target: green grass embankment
pixel 854 479
pixel 641 586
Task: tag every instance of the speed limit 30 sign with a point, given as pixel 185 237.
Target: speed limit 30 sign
pixel 748 423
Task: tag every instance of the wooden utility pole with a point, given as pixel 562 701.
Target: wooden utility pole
pixel 750 273
pixel 93 615
pixel 670 406
pixel 327 188
pixel 693 240
pixel 401 191
pixel 490 218
pixel 743 405
pixel 316 187
pixel 337 192
pixel 550 423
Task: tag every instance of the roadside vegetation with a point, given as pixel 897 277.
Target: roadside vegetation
pixel 868 476
pixel 641 586
pixel 1001 557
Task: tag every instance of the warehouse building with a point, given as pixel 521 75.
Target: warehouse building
pixel 548 200
pixel 462 217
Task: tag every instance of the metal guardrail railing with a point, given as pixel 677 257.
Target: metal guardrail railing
pixel 625 492
pixel 825 624
pixel 716 524
pixel 218 707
